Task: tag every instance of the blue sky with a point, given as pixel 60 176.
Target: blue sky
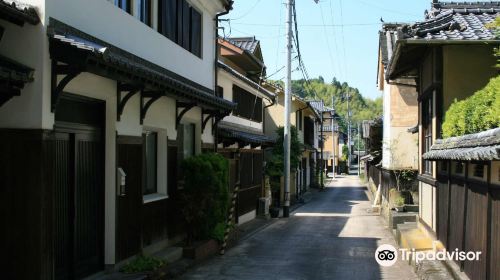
pixel 337 37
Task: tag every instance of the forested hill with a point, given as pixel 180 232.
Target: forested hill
pixel 362 108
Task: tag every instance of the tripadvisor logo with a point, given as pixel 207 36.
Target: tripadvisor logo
pixel 387 255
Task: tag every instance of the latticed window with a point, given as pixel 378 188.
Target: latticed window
pixel 427 114
pixel 478 170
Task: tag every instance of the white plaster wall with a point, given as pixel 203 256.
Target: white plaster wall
pixel 27 45
pixel 386 138
pixel 427 204
pixel 105 21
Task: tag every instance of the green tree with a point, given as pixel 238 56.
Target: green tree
pixel 275 165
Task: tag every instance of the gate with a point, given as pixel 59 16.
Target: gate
pixel 78 188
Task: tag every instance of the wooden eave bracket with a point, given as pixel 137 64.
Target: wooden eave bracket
pixel 147 99
pixel 217 118
pixel 185 108
pixel 70 72
pixel 204 119
pixel 130 91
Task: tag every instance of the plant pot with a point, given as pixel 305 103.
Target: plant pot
pixel 274 212
pixel 399 208
pixel 201 250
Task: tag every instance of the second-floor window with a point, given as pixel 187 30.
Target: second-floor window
pixel 427 114
pixel 299 120
pixel 143 11
pixel 181 23
pixel 249 106
pixel 124 5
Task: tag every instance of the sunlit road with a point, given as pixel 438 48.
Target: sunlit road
pixel 334 236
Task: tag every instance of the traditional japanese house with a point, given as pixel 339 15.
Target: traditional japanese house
pixel 452 54
pixel 306 118
pixel 400 113
pixel 241 135
pixel 116 94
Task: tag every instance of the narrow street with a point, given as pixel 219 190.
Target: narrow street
pixel 334 236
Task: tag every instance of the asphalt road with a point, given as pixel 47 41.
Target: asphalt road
pixel 333 236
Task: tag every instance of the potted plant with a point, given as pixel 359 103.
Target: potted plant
pixel 399 204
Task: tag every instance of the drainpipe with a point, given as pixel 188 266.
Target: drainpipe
pixel 228 7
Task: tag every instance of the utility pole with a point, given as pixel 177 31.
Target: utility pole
pixel 359 166
pixel 348 135
pixel 288 101
pixel 333 138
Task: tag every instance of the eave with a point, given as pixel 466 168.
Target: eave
pixel 409 51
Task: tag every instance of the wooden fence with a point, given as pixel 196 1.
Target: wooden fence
pixel 468 218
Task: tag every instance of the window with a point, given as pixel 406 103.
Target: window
pixel 459 168
pixel 249 106
pixel 150 162
pixel 299 119
pixel 124 5
pixel 188 140
pixel 143 11
pixel 181 23
pixel 219 92
pixel 444 166
pixel 478 170
pixel 427 114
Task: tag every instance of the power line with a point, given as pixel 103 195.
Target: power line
pixel 327 40
pixel 247 12
pixel 339 68
pixel 310 25
pixel 343 39
pixel 299 55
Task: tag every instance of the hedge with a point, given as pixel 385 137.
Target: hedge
pixel 476 113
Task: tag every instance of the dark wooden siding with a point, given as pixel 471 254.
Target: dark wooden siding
pixel 175 222
pixel 25 204
pixel 475 231
pixel 494 267
pixel 442 219
pixel 128 229
pixel 61 150
pixel 154 222
pixel 456 226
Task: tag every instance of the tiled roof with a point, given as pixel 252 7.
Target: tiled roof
pixel 245 136
pixel 479 146
pixel 387 40
pixel 13 71
pixel 455 21
pixel 128 65
pixel 246 43
pixel 18 12
pixel 242 77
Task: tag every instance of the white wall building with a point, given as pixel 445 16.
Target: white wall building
pixel 123 85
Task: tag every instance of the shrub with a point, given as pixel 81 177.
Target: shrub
pixel 476 113
pixel 205 196
pixel 275 165
pixel 142 264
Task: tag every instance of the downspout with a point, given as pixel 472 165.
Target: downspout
pixel 228 7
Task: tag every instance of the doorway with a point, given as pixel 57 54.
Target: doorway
pixel 78 177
